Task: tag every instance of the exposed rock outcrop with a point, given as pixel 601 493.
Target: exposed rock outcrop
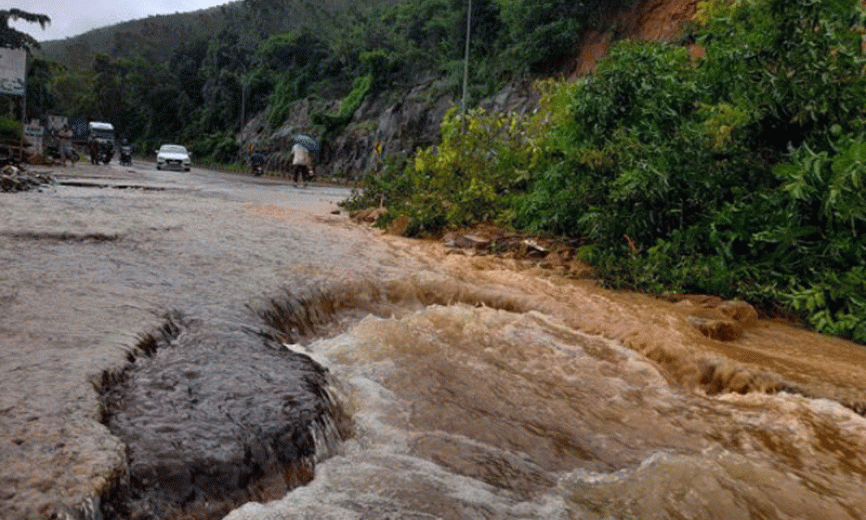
pixel 399 127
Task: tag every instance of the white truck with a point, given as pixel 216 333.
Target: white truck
pixel 100 141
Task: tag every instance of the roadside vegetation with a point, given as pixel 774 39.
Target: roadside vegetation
pixel 739 174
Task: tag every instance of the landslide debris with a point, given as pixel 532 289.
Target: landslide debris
pixel 14 179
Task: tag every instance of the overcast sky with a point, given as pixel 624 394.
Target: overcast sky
pixel 74 17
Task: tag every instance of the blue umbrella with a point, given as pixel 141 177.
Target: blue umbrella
pixel 307 141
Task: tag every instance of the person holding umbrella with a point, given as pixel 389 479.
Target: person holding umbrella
pixel 303 148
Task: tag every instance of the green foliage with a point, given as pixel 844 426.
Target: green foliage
pixel 10 37
pixel 178 77
pixel 333 122
pixel 221 148
pixel 543 33
pixel 287 90
pixel 387 185
pixel 741 176
pixel 10 129
pixel 483 160
pixel 627 157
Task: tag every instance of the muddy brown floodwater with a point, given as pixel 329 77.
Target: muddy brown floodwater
pixel 205 345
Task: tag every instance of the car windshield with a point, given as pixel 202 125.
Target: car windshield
pixel 172 148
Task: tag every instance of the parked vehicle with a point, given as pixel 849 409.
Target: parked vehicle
pixel 173 156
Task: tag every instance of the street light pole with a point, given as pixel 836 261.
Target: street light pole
pixel 243 88
pixel 244 99
pixel 466 59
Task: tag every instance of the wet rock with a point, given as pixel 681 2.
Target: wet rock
pixel 533 248
pixel 368 215
pixel 213 418
pixel 399 227
pixel 456 241
pixel 722 330
pixel 719 319
pixel 14 179
pixel 396 128
pixel 466 241
pixel 741 312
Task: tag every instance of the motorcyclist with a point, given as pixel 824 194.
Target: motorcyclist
pixel 257 161
pixel 125 153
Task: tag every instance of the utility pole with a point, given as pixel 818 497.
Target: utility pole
pixel 466 61
pixel 243 88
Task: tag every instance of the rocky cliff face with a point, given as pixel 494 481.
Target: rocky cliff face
pixel 403 126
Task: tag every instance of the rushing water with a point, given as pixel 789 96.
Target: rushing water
pixel 503 407
pixel 413 383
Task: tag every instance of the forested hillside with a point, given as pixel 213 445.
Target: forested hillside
pixel 267 57
pixel 158 36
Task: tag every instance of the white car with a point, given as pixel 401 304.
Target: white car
pixel 173 156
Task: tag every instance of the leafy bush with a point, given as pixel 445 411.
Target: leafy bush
pixel 333 122
pixel 10 129
pixel 385 185
pixel 289 88
pixel 217 148
pixel 739 175
pixel 483 160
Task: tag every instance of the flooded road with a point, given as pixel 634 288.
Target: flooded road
pixel 149 320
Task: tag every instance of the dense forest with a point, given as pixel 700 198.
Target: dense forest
pixel 738 173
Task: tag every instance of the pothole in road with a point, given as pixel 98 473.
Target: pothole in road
pixel 62 236
pixel 100 185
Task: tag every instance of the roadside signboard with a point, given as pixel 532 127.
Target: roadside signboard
pixel 13 70
pixel 55 123
pixel 34 133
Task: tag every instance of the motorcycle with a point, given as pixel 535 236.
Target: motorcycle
pixel 126 156
pixel 257 161
pixel 53 152
pixel 101 151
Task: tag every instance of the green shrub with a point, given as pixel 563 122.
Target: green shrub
pixel 483 161
pixel 739 175
pixel 289 88
pixel 217 148
pixel 10 129
pixel 333 122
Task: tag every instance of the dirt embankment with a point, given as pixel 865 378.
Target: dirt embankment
pixel 651 20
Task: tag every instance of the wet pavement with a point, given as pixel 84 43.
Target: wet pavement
pixel 94 263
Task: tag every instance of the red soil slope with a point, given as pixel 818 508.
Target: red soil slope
pixel 644 20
